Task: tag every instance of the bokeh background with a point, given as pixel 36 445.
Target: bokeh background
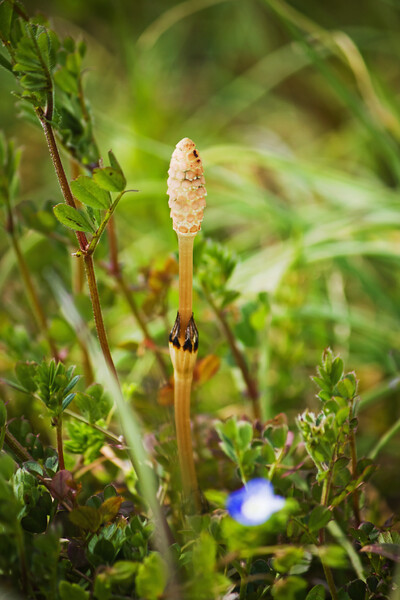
pixel 295 110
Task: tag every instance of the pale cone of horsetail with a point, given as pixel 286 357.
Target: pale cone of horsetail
pixel 186 188
pixel 186 191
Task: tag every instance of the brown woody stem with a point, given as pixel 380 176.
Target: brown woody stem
pixel 97 313
pixel 82 239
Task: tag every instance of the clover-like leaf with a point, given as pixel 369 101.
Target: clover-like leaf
pixel 88 192
pixel 109 179
pixel 72 218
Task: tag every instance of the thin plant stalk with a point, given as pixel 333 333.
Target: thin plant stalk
pixel 60 447
pixel 324 502
pixel 251 384
pixel 30 289
pixel 182 387
pixel 97 313
pixel 185 245
pixel 82 239
pixel 353 453
pixel 186 200
pixel 116 272
pixel 78 281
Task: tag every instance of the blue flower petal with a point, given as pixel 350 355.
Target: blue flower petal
pixel 254 503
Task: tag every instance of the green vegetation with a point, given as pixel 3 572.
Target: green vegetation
pixel 293 107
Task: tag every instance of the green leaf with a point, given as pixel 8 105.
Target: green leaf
pixel 319 518
pixel 244 435
pixel 72 591
pixel 67 400
pixel 316 593
pixel 357 589
pixel 347 387
pixel 88 192
pixel 113 161
pixel 287 558
pixel 289 588
pixel 102 587
pixel 6 15
pixel 109 179
pixel 337 370
pixel 268 453
pixel 72 218
pixel 25 372
pixel 94 404
pixel 152 577
pixel 122 571
pixel 110 508
pixel 86 517
pixel 66 81
pixel 103 552
pixel 5 63
pixel 334 556
pixel 7 466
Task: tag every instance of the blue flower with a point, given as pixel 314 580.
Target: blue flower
pixel 254 503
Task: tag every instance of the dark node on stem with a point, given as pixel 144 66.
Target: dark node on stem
pixel 191 342
pixel 191 336
pixel 175 331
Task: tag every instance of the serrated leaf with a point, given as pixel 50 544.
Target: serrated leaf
pixel 88 192
pixel 86 517
pixel 72 218
pixel 109 179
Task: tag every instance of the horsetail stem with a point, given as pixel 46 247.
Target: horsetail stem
pixel 186 200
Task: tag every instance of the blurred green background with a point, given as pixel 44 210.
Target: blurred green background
pixel 295 110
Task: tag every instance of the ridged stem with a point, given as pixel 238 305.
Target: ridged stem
pixel 182 387
pixel 183 351
pixel 185 243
